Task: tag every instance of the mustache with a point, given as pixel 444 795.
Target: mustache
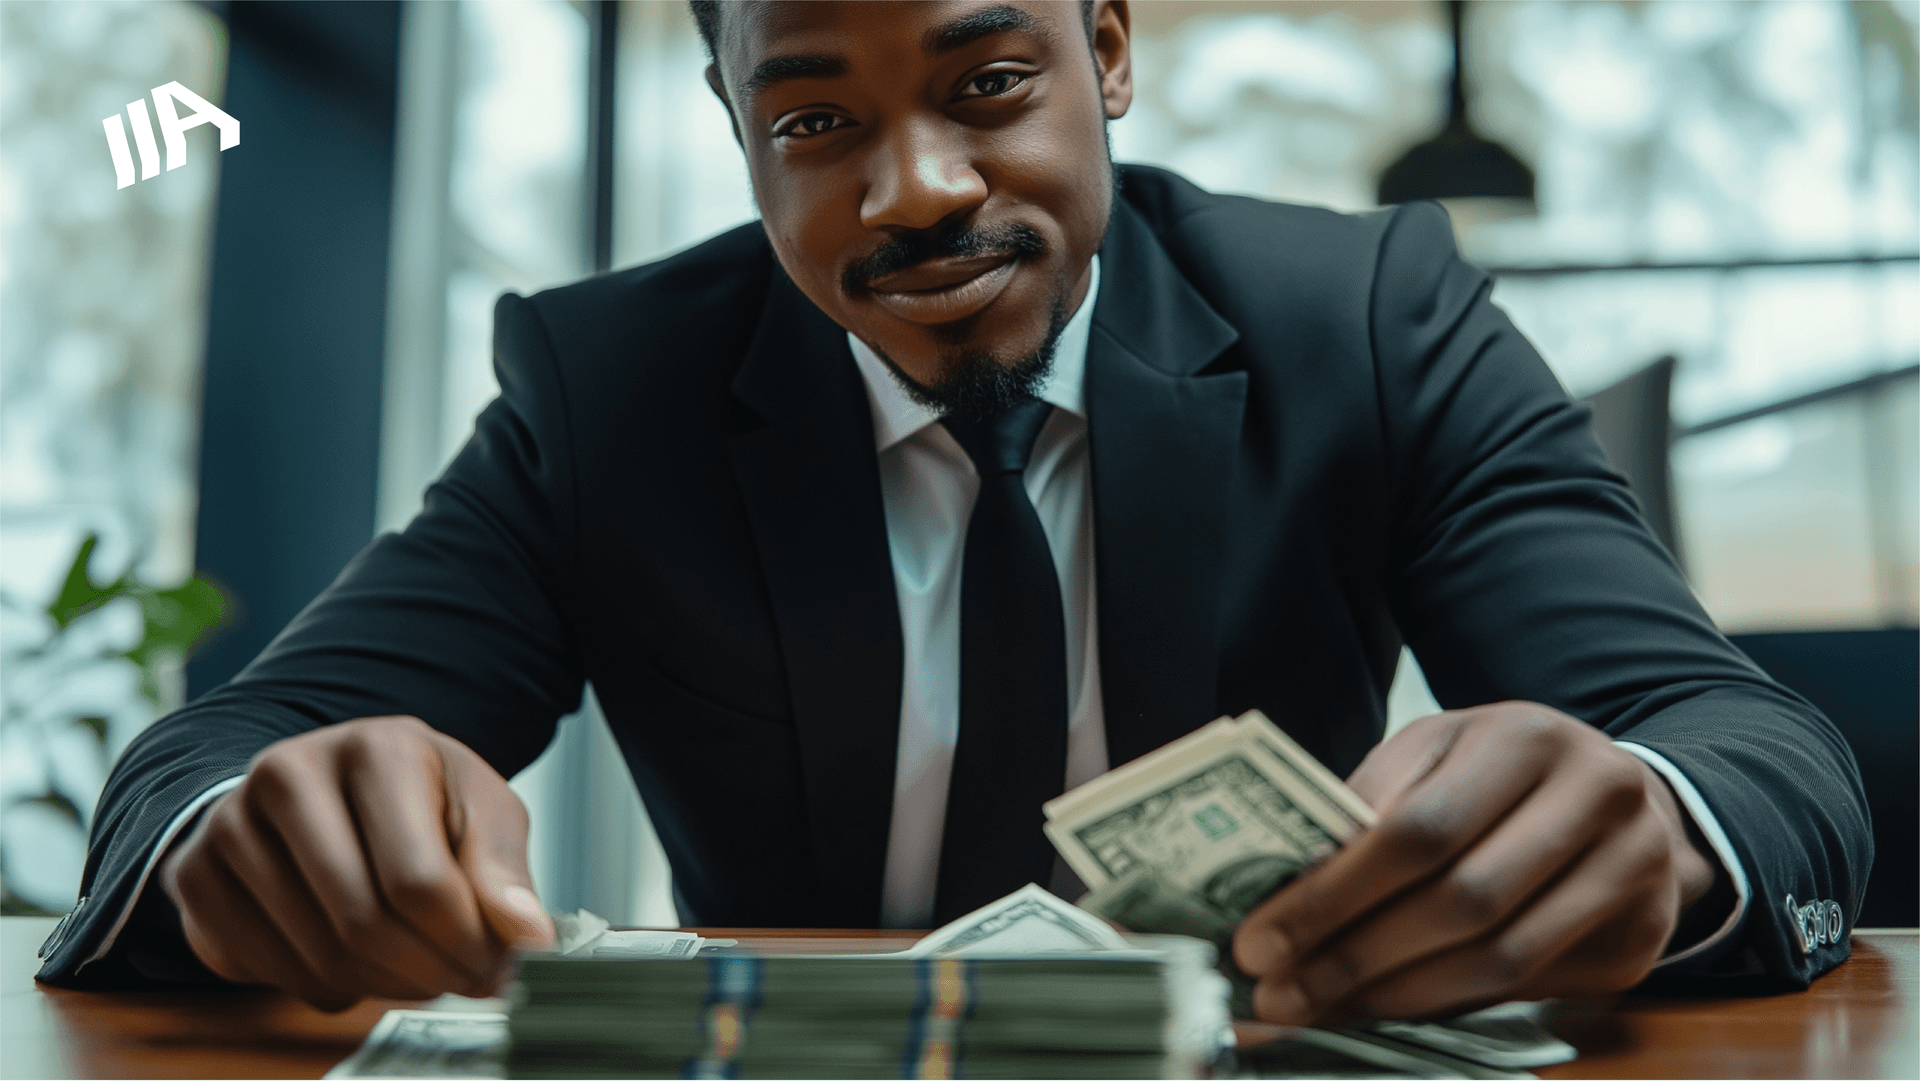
pixel 961 241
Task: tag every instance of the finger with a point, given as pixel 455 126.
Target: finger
pixel 247 844
pixel 206 917
pixel 241 937
pixel 489 835
pixel 1540 840
pixel 1523 958
pixel 511 908
pixel 1394 765
pixel 321 840
pixel 1616 955
pixel 397 794
pixel 1488 770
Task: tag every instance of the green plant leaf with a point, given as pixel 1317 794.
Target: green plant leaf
pixel 175 621
pixel 178 618
pixel 96 725
pixel 78 594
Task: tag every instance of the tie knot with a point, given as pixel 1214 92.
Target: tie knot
pixel 1002 442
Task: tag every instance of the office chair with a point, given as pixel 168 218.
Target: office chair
pixel 1632 422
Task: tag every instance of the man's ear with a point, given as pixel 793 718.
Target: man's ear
pixel 1112 40
pixel 720 91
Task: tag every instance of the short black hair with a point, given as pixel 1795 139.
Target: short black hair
pixel 706 14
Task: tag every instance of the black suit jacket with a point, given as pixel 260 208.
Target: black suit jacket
pixel 1312 438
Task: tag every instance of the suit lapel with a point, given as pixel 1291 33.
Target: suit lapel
pixel 811 484
pixel 1163 439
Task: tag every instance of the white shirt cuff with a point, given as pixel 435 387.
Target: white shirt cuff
pixel 1716 838
pixel 153 859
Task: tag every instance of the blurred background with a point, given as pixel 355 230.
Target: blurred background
pixel 1705 214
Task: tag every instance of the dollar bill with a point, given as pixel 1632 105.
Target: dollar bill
pixel 1188 839
pixel 1337 1052
pixel 1499 1041
pixel 1316 784
pixel 1508 1035
pixel 1025 922
pixel 430 1043
pixel 585 934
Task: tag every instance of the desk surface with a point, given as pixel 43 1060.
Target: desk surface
pixel 1858 1021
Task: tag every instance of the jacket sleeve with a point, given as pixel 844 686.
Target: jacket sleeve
pixel 1524 572
pixel 460 620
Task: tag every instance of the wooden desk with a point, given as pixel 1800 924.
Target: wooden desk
pixel 1858 1021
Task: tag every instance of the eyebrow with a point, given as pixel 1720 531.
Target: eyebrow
pixel 779 69
pixel 958 34
pixel 975 25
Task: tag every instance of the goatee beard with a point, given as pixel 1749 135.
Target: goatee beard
pixel 974 384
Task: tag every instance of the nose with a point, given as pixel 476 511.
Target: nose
pixel 920 178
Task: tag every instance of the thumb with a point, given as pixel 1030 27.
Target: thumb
pixel 509 904
pixel 493 854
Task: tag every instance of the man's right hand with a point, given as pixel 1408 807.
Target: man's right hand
pixel 372 857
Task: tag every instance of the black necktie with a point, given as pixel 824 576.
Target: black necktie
pixel 1012 752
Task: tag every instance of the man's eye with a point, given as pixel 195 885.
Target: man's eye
pixel 993 84
pixel 813 124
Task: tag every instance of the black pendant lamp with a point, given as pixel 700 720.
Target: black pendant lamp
pixel 1458 163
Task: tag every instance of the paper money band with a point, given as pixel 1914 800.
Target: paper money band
pixel 946 998
pixel 733 994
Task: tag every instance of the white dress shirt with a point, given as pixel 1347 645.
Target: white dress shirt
pixel 928 486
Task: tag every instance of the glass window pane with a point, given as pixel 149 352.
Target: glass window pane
pixel 679 176
pixel 102 320
pixel 519 162
pixel 1775 520
pixel 518 180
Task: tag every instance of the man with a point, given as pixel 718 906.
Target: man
pixel 972 469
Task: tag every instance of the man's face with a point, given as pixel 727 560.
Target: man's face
pixel 933 175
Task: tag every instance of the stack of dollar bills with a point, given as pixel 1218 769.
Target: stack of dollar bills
pixel 1178 846
pixel 1028 986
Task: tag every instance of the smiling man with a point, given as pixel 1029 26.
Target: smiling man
pixel 945 211
pixel 973 468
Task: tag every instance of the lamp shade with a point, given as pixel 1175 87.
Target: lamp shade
pixel 1458 163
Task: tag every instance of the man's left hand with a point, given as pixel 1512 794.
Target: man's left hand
pixel 1519 855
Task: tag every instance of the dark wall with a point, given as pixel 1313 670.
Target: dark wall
pixel 296 314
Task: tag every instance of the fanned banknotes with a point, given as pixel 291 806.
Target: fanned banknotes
pixel 1189 838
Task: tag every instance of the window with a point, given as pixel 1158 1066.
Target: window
pixel 102 313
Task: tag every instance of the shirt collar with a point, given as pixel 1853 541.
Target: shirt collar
pixel 897 417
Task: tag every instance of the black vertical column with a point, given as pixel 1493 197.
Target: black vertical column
pixel 603 65
pixel 296 312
